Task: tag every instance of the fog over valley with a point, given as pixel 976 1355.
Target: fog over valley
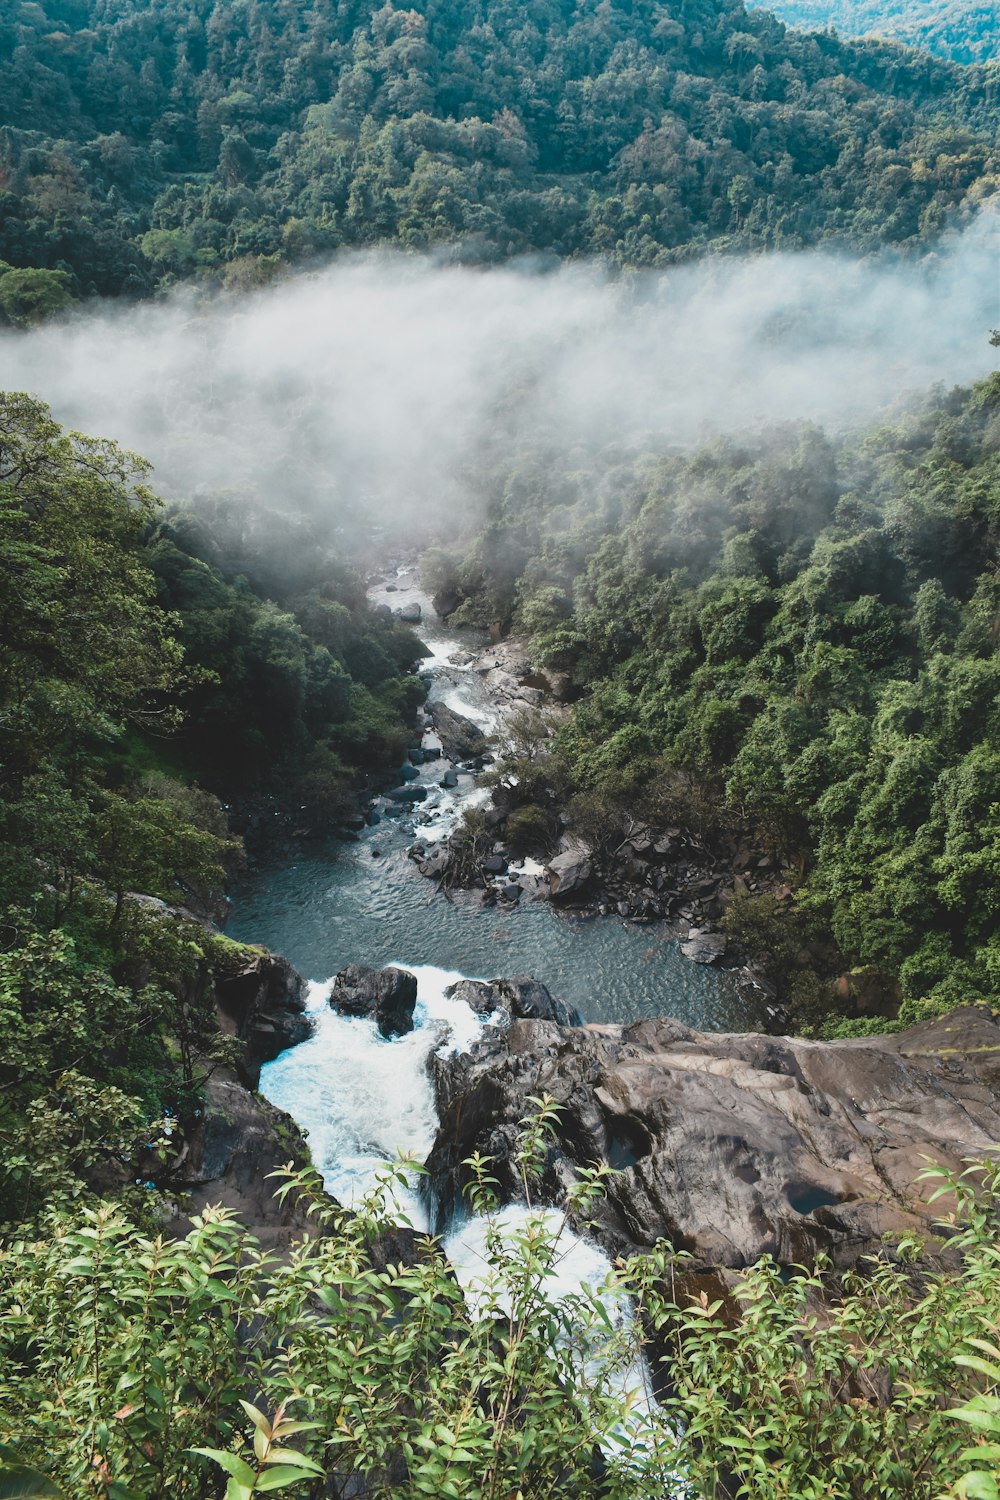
pixel 379 385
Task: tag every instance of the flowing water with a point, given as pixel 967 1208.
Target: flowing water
pixel 366 903
pixel 363 1099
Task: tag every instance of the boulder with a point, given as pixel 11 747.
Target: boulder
pixel 867 992
pixel 408 794
pixel 410 614
pixel 460 738
pixel 446 601
pixel 237 1141
pixel 263 1003
pixel 569 873
pixel 523 999
pixel 562 687
pixel 704 947
pixel 731 1146
pixel 388 995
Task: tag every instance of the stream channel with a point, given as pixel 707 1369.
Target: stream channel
pixel 363 1099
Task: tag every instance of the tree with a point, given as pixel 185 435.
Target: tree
pixel 30 295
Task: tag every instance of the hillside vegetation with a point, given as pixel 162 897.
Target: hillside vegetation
pixel 143 141
pixel 792 635
pixel 135 678
pixel 967 31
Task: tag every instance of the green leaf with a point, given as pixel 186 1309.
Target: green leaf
pixel 240 1471
pixel 280 1478
pixel 290 1456
pixel 257 1418
pixel 20 1483
pixel 978 1487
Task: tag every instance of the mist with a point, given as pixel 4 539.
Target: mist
pixel 380 388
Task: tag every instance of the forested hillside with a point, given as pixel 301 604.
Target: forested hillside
pixel 136 677
pixel 967 31
pixel 145 141
pixel 799 636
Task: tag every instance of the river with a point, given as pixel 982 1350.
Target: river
pixel 362 1098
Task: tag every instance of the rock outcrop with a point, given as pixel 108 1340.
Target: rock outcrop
pixel 388 995
pixel 520 999
pixel 732 1146
pixel 570 872
pixel 460 738
pixel 227 1158
pixel 263 1003
pixel 704 947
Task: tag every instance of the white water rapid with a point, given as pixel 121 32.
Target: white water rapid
pixel 362 1099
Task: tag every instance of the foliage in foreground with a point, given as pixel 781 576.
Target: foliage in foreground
pixel 126 1363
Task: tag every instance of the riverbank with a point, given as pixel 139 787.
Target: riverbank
pixel 357 895
pixel 673 877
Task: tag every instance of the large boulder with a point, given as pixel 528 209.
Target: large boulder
pixel 447 600
pixel 410 613
pixel 702 946
pixel 731 1146
pixel 237 1142
pixel 460 738
pixel 520 999
pixel 388 995
pixel 570 872
pixel 262 1001
pixel 407 794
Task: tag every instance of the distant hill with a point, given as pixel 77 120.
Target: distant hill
pixel 143 141
pixel 967 31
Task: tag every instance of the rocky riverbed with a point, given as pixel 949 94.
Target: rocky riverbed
pixel 669 875
pixel 730 1147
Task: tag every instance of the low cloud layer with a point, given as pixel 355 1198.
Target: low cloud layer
pixel 379 385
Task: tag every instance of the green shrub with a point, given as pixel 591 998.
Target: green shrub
pixel 128 1363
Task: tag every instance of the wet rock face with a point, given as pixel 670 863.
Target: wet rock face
pixel 387 994
pixel 732 1146
pixel 264 1005
pixel 238 1141
pixel 523 999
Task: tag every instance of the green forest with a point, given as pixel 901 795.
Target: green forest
pixel 128 659
pixel 141 144
pixel 798 635
pixel 789 636
pixel 967 31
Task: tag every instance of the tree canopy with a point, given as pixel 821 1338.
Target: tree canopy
pixel 807 629
pixel 221 141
